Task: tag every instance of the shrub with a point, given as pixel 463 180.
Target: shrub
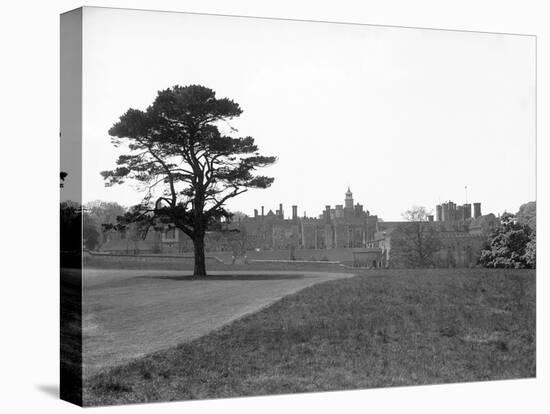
pixel 508 246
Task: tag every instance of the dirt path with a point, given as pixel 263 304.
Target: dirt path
pixel 129 313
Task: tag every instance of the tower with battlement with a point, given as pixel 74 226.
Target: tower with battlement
pixel 450 211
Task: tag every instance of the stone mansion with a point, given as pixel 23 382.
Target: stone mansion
pixel 347 230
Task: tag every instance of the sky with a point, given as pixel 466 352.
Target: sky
pixel 402 116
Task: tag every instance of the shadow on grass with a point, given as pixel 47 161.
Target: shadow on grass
pixel 226 277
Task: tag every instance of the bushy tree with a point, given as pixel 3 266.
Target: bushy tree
pixel 103 216
pixel 104 212
pixel 189 169
pixel 90 232
pixel 527 214
pixel 531 252
pixel 511 245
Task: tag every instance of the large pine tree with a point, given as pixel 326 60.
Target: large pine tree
pixel 189 169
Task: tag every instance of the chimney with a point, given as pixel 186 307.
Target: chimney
pixel 255 213
pixel 460 213
pixel 477 210
pixel 438 212
pixel 281 213
pixel 294 212
pixel 327 213
pixel 467 211
pixel 445 212
pixel 452 211
pixel 262 211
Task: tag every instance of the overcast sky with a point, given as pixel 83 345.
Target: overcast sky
pixel 403 116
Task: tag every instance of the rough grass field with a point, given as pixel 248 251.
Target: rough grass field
pixel 384 328
pixel 71 335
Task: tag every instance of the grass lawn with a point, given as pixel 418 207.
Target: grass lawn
pixel 383 328
pixel 128 314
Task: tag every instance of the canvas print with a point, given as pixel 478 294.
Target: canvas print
pixel 255 206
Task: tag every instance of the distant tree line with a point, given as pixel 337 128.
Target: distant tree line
pixel 100 217
pixel 97 216
pixel 86 225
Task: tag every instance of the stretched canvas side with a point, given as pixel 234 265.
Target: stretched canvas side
pixel 70 206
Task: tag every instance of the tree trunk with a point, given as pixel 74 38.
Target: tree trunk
pixel 200 261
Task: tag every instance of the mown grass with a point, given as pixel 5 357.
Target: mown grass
pixel 384 328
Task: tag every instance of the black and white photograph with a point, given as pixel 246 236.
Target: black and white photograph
pixel 291 206
pixel 255 206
